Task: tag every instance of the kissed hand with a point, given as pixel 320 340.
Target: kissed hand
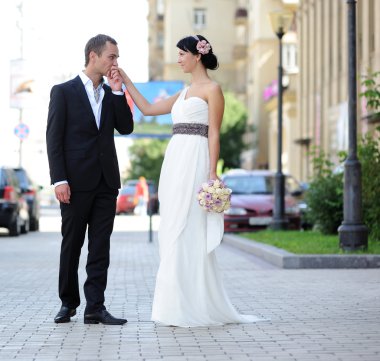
pixel 114 79
pixel 124 76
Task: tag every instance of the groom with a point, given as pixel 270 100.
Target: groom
pixel 83 113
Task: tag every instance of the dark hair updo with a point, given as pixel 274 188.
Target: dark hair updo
pixel 189 43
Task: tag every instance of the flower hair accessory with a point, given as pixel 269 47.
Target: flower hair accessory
pixel 214 196
pixel 203 47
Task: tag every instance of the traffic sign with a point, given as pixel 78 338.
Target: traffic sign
pixel 21 130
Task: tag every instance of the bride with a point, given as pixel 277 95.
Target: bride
pixel 189 290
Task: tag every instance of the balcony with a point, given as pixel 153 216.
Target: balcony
pixel 240 52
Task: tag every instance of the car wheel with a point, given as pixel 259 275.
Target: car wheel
pixel 34 224
pixel 15 228
pixel 25 227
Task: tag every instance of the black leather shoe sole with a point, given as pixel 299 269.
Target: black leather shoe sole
pixel 65 319
pixel 103 317
pixel 90 321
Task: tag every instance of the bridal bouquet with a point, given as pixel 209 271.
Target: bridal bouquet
pixel 214 196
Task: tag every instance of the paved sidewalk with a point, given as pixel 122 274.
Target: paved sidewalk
pixel 314 314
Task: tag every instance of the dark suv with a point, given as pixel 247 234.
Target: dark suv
pixel 13 207
pixel 30 192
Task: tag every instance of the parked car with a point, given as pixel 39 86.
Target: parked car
pixel 252 200
pixel 153 194
pixel 14 213
pixel 125 200
pixel 31 193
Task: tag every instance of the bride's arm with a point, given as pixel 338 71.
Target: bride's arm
pixel 215 113
pixel 161 107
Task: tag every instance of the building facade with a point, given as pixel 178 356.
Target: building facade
pixel 314 61
pixel 222 22
pixel 322 89
pixel 262 78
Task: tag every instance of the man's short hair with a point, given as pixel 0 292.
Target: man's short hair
pixel 97 44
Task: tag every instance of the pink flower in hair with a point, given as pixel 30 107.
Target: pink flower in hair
pixel 203 47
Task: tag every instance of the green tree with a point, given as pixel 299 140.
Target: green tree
pixel 146 157
pixel 234 126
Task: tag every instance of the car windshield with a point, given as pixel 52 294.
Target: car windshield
pixel 22 178
pixel 127 190
pixel 256 184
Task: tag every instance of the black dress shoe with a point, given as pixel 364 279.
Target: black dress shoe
pixel 64 314
pixel 103 317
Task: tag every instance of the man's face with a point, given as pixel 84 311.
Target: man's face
pixel 107 59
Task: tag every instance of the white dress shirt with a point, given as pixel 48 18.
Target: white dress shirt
pixel 96 106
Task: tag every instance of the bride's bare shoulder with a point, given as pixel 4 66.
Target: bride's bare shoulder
pixel 214 90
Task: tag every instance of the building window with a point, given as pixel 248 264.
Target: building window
pixel 371 25
pixel 160 40
pixel 160 7
pixel 289 58
pixel 199 18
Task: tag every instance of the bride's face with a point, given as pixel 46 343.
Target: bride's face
pixel 187 60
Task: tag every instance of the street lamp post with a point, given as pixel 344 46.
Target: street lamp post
pixel 353 234
pixel 280 21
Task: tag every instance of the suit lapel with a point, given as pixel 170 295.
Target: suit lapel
pixel 82 94
pixel 105 105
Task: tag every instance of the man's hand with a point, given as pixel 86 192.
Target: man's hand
pixel 114 79
pixel 63 193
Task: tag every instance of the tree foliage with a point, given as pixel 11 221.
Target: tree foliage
pixel 371 90
pixel 146 157
pixel 369 156
pixel 234 126
pixel 325 194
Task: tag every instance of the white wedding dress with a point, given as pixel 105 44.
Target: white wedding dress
pixel 189 291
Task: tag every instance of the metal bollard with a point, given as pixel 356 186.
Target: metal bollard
pixel 150 214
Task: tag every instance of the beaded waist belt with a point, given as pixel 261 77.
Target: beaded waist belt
pixel 191 128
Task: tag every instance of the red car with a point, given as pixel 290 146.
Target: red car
pixel 125 200
pixel 252 200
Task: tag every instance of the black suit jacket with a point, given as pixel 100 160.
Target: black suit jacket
pixel 77 150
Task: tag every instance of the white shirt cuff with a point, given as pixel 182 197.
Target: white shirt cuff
pixel 118 92
pixel 60 182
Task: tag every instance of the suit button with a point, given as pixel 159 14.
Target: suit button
pixel 101 154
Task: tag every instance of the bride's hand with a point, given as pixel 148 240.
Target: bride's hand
pixel 114 79
pixel 213 176
pixel 125 77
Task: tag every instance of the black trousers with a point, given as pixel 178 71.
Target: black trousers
pixel 94 210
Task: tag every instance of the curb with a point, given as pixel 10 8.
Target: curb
pixel 287 260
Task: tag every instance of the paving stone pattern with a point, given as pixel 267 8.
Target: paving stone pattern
pixel 327 315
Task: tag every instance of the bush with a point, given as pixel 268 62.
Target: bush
pixel 369 156
pixel 325 195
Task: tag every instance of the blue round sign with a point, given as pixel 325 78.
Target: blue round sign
pixel 21 130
